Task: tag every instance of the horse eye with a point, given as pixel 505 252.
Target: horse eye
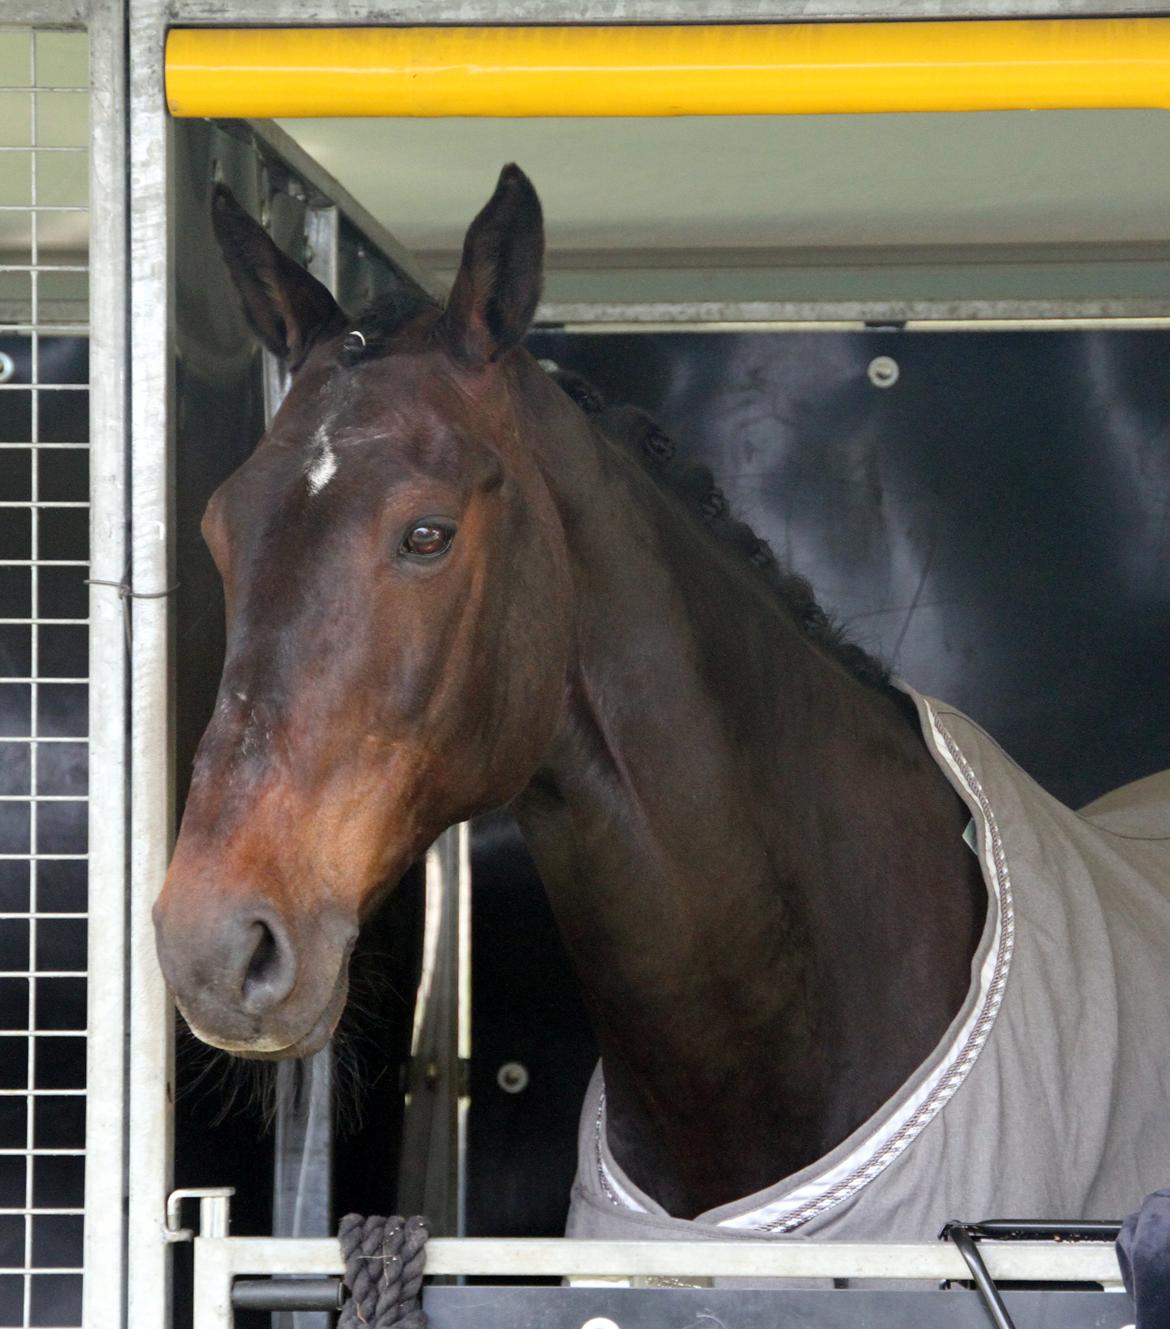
pixel 428 539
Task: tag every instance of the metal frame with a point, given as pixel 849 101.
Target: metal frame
pixel 106 1118
pixel 106 1126
pixel 261 13
pixel 152 796
pixel 219 1258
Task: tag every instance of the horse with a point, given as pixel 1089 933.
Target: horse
pixel 815 916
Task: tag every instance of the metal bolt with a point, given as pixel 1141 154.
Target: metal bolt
pixel 7 366
pixel 512 1077
pixel 883 371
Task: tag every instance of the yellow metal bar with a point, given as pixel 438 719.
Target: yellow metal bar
pixel 736 69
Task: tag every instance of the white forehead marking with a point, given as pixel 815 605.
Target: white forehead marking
pixel 323 466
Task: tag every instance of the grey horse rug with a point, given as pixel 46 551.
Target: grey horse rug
pixel 1049 1096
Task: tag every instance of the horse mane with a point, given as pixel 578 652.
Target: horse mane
pixel 694 483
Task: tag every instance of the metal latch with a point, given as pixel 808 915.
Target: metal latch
pixel 213 1212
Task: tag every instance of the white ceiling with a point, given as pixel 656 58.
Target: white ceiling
pixel 868 181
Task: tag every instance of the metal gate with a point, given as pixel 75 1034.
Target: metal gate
pixel 62 657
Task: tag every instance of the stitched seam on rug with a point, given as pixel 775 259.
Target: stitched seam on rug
pixel 602 1170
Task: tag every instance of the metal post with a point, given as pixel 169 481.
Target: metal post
pixel 152 816
pixel 104 1286
pixel 433 1165
pixel 302 1184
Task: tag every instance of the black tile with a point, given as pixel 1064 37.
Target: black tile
pixel 13 1004
pixel 11 1299
pixel 57 1243
pixel 16 416
pixel 63 417
pixel 14 933
pixel 15 710
pixel 63 710
pixel 55 1299
pixel 60 1063
pixel 62 360
pixel 13 1068
pixel 13 1122
pixel 62 768
pixel 62 593
pixel 15 769
pixel 59 1122
pixel 61 532
pixel 15 592
pixel 15 651
pixel 15 475
pixel 15 828
pixel 62 886
pixel 12 1181
pixel 62 828
pixel 60 1001
pixel 62 475
pixel 11 1240
pixel 58 1183
pixel 16 532
pixel 14 891
pixel 63 652
pixel 61 943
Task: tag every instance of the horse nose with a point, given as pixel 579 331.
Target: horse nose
pixel 225 966
pixel 267 965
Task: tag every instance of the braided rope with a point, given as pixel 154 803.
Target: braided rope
pixel 384 1259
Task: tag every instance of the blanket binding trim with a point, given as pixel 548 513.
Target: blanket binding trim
pixel 942 1090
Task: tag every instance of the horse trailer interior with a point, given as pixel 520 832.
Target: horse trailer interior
pixel 939 386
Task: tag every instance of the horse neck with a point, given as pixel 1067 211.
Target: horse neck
pixel 756 867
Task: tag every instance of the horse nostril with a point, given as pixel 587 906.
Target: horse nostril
pixel 271 968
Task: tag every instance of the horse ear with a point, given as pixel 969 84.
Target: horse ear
pixel 285 306
pixel 497 286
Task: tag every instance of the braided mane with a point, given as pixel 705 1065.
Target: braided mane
pixel 694 483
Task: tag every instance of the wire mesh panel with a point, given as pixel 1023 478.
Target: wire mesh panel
pixel 44 547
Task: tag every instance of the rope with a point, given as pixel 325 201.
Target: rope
pixel 384 1259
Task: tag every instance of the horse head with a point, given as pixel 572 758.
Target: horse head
pixel 396 583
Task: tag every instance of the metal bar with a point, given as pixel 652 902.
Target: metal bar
pixel 302 1185
pixel 433 1167
pixel 1020 1261
pixel 984 1283
pixel 707 1308
pixel 46 13
pixel 152 795
pixel 262 13
pixel 926 314
pixel 287 1294
pixel 733 69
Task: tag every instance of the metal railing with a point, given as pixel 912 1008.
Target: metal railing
pixel 220 1260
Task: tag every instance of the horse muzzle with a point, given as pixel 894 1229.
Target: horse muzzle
pixel 247 982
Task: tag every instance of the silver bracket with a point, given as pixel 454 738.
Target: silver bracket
pixel 214 1212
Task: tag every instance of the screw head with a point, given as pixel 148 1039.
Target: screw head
pixel 883 371
pixel 512 1077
